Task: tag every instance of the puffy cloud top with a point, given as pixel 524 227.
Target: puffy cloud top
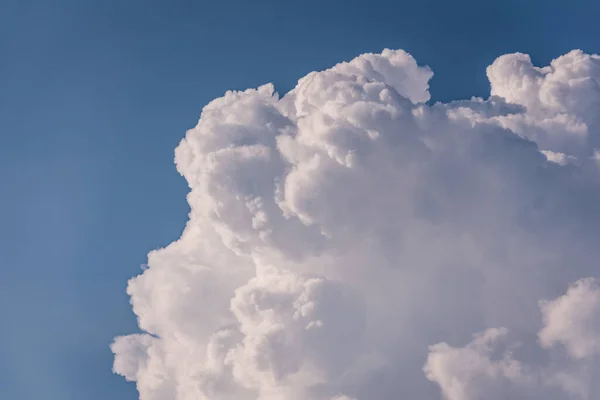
pixel 562 99
pixel 349 241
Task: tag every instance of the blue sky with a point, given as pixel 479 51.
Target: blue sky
pixel 94 97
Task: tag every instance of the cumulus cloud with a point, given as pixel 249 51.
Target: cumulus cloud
pixel 562 99
pixel 489 367
pixel 350 241
pixel 573 320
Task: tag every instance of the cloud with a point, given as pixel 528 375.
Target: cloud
pixel 485 369
pixel 337 233
pixel 573 320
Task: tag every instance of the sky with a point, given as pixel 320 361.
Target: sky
pixel 96 95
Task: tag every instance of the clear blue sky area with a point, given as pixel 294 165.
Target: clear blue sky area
pixel 94 97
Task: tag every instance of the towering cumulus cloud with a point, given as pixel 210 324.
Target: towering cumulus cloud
pixel 348 241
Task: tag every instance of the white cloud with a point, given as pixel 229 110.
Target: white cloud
pixel 488 368
pixel 469 373
pixel 558 158
pixel 339 231
pixel 561 99
pixel 574 320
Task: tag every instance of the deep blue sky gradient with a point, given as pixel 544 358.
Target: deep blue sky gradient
pixel 94 97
